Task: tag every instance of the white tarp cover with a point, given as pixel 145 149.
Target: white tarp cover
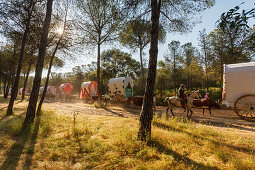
pixel 52 90
pixel 41 90
pixel 118 85
pixel 239 80
pixel 20 90
pixel 90 86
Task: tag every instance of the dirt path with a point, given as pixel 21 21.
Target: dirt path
pixel 69 108
pixel 226 119
pixel 220 119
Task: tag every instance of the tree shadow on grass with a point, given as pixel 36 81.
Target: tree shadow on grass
pixel 31 147
pixel 177 157
pixel 115 113
pixel 3 124
pixel 223 124
pixel 13 156
pixel 170 128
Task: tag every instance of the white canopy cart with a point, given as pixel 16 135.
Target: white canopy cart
pixel 121 88
pixel 88 89
pixel 239 89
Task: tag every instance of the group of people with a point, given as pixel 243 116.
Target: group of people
pixel 182 96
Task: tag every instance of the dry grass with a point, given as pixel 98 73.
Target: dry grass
pixel 104 142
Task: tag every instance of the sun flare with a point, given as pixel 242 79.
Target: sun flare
pixel 60 30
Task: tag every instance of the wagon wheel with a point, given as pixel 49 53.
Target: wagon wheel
pixel 118 98
pixel 245 107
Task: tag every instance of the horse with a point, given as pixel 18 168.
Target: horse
pixel 205 104
pixel 175 101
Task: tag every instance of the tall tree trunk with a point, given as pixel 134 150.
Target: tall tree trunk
pixel 188 85
pixel 99 88
pixel 47 78
pixel 221 70
pixel 22 50
pixel 146 114
pixel 25 81
pixel 141 61
pixel 161 90
pixel 5 83
pixel 6 86
pixel 1 74
pixel 206 67
pixel 174 72
pixel 30 115
pixel 6 93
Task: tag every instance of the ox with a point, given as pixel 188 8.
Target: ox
pixel 205 104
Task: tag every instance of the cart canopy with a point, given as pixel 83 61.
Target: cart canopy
pixel 52 90
pixel 88 88
pixel 122 85
pixel 238 80
pixel 66 89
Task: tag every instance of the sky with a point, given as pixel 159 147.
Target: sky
pixel 208 19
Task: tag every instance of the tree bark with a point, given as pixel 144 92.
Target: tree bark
pixel 5 82
pixel 206 65
pixel 22 50
pixel 99 88
pixel 146 114
pixel 221 70
pixel 7 86
pixel 30 115
pixel 174 71
pixel 141 61
pixel 47 78
pixel 26 78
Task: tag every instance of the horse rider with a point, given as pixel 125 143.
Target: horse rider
pixel 181 95
pixel 207 96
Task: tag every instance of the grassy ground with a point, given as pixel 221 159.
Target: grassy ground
pixel 72 141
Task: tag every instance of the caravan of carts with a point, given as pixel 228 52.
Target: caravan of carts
pixel 119 89
pixel 239 89
pixel 65 92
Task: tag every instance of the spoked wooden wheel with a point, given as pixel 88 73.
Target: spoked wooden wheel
pixel 245 107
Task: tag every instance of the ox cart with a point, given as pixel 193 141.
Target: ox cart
pixel 121 88
pixel 88 91
pixel 239 89
pixel 66 91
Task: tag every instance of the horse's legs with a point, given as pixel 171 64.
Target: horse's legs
pixel 210 111
pixel 189 110
pixel 203 111
pixel 172 112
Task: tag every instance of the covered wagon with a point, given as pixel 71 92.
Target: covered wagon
pixel 51 92
pixel 239 89
pixel 41 91
pixel 66 90
pixel 88 90
pixel 21 90
pixel 121 88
